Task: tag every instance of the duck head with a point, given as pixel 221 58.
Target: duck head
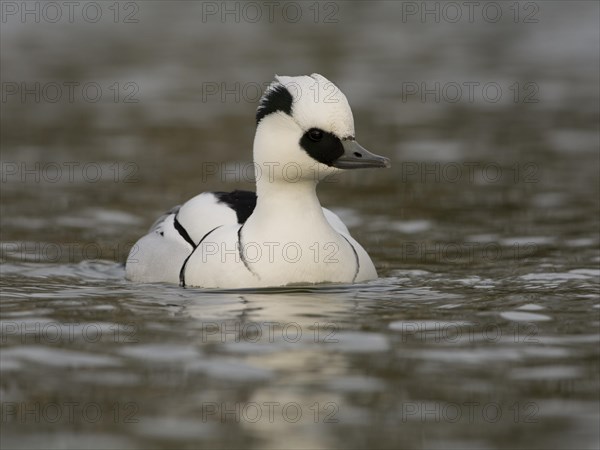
pixel 305 126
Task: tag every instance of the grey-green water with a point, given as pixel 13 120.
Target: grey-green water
pixel 483 328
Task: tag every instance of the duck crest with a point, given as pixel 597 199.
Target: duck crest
pixel 275 98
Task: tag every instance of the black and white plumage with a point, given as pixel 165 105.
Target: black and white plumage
pixel 281 235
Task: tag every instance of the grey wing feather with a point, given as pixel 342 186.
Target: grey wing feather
pixel 157 224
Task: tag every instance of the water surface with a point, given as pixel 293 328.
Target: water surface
pixel 483 328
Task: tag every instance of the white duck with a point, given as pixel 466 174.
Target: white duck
pixel 281 235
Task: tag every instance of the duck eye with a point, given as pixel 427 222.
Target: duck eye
pixel 315 134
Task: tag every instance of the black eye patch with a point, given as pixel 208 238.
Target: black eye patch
pixel 322 146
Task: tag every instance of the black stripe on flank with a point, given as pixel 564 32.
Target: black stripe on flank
pixel 276 98
pixel 355 256
pixel 183 233
pixel 182 271
pixel 242 202
pixel 241 252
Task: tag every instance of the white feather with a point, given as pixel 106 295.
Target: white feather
pixel 289 238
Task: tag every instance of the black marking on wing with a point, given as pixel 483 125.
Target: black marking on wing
pixel 241 252
pixel 276 98
pixel 183 233
pixel 242 202
pixel 355 256
pixel 182 271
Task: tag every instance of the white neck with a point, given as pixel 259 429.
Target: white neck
pixel 281 200
pixel 287 197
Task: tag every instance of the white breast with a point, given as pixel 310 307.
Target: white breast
pixel 278 253
pixel 275 249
